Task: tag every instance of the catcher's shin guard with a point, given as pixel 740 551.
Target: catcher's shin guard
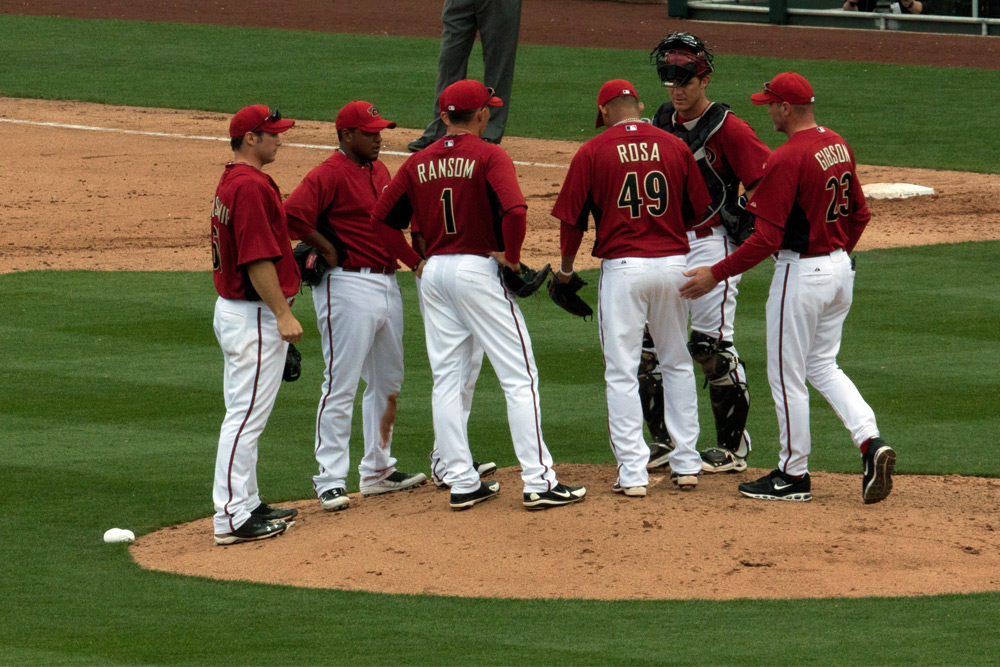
pixel 727 387
pixel 651 392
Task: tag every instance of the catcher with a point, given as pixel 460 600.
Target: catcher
pixel 728 153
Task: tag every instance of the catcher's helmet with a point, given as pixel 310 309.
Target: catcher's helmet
pixel 680 56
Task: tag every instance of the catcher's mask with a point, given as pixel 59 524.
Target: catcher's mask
pixel 679 57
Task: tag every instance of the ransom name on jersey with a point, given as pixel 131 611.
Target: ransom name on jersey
pixel 638 152
pixel 832 155
pixel 451 167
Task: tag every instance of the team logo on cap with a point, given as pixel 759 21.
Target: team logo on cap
pixel 373 112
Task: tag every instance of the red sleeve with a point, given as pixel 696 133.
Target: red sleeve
pixel 305 203
pixel 251 224
pixel 515 225
pixel 395 243
pixel 743 150
pixel 764 241
pixel 860 215
pixel 572 204
pixel 775 194
pixel 570 237
pixel 502 179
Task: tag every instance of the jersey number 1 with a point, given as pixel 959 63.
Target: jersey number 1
pixel 654 195
pixel 448 210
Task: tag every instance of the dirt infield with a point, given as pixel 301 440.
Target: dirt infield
pixel 127 199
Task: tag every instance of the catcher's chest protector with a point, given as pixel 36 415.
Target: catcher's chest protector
pixel 722 189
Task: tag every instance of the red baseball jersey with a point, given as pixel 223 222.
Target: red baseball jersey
pixel 809 200
pixel 457 192
pixel 248 224
pixel 733 152
pixel 642 187
pixel 337 197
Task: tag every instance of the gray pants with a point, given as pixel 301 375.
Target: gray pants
pixel 498 23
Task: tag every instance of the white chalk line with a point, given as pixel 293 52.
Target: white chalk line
pixel 172 135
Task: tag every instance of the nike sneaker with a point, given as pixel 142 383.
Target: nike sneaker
pixel 776 485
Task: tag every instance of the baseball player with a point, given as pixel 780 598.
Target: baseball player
pixel 256 278
pixel 468 382
pixel 359 310
pixel 728 153
pixel 810 213
pixel 642 186
pixel 464 194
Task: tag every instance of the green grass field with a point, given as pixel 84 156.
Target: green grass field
pixel 111 393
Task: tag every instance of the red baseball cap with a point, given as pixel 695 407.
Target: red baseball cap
pixel 466 95
pixel 786 87
pixel 611 90
pixel 258 118
pixel 360 115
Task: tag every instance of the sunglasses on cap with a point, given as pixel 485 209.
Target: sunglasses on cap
pixel 768 89
pixel 274 117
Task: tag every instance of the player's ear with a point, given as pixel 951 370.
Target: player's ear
pixel 641 107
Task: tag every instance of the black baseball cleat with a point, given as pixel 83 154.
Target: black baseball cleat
pixel 334 500
pixel 268 513
pixel 397 481
pixel 560 495
pixel 483 468
pixel 659 454
pixel 253 529
pixel 486 491
pixel 776 485
pixel 879 463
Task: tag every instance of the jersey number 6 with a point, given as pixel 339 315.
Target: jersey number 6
pixel 654 195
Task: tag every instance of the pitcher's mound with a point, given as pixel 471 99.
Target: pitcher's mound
pixel 932 535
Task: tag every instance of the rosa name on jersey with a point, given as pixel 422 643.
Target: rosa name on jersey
pixel 638 152
pixel 832 155
pixel 451 167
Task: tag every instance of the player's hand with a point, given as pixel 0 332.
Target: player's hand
pixel 702 282
pixel 563 277
pixel 502 261
pixel 289 328
pixel 419 269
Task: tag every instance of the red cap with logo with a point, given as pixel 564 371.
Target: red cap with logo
pixel 611 90
pixel 258 118
pixel 360 115
pixel 466 95
pixel 786 87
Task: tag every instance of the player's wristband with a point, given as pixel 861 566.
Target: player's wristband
pixel 563 273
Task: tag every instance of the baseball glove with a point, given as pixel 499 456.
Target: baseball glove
pixel 737 220
pixel 566 297
pixel 312 266
pixel 293 364
pixel 527 282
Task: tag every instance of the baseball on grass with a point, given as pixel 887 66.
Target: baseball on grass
pixel 114 535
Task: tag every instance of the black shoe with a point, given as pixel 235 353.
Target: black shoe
pixel 491 140
pixel 253 529
pixel 560 495
pixel 419 144
pixel 334 500
pixel 268 513
pixel 659 454
pixel 397 481
pixel 483 468
pixel 486 490
pixel 778 486
pixel 879 462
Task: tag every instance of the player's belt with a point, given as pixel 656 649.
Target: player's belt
pixel 704 231
pixel 385 270
pixel 810 255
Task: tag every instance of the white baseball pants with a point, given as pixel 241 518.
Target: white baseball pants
pixel 360 321
pixel 634 291
pixel 465 304
pixel 254 355
pixel 468 389
pixel 806 308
